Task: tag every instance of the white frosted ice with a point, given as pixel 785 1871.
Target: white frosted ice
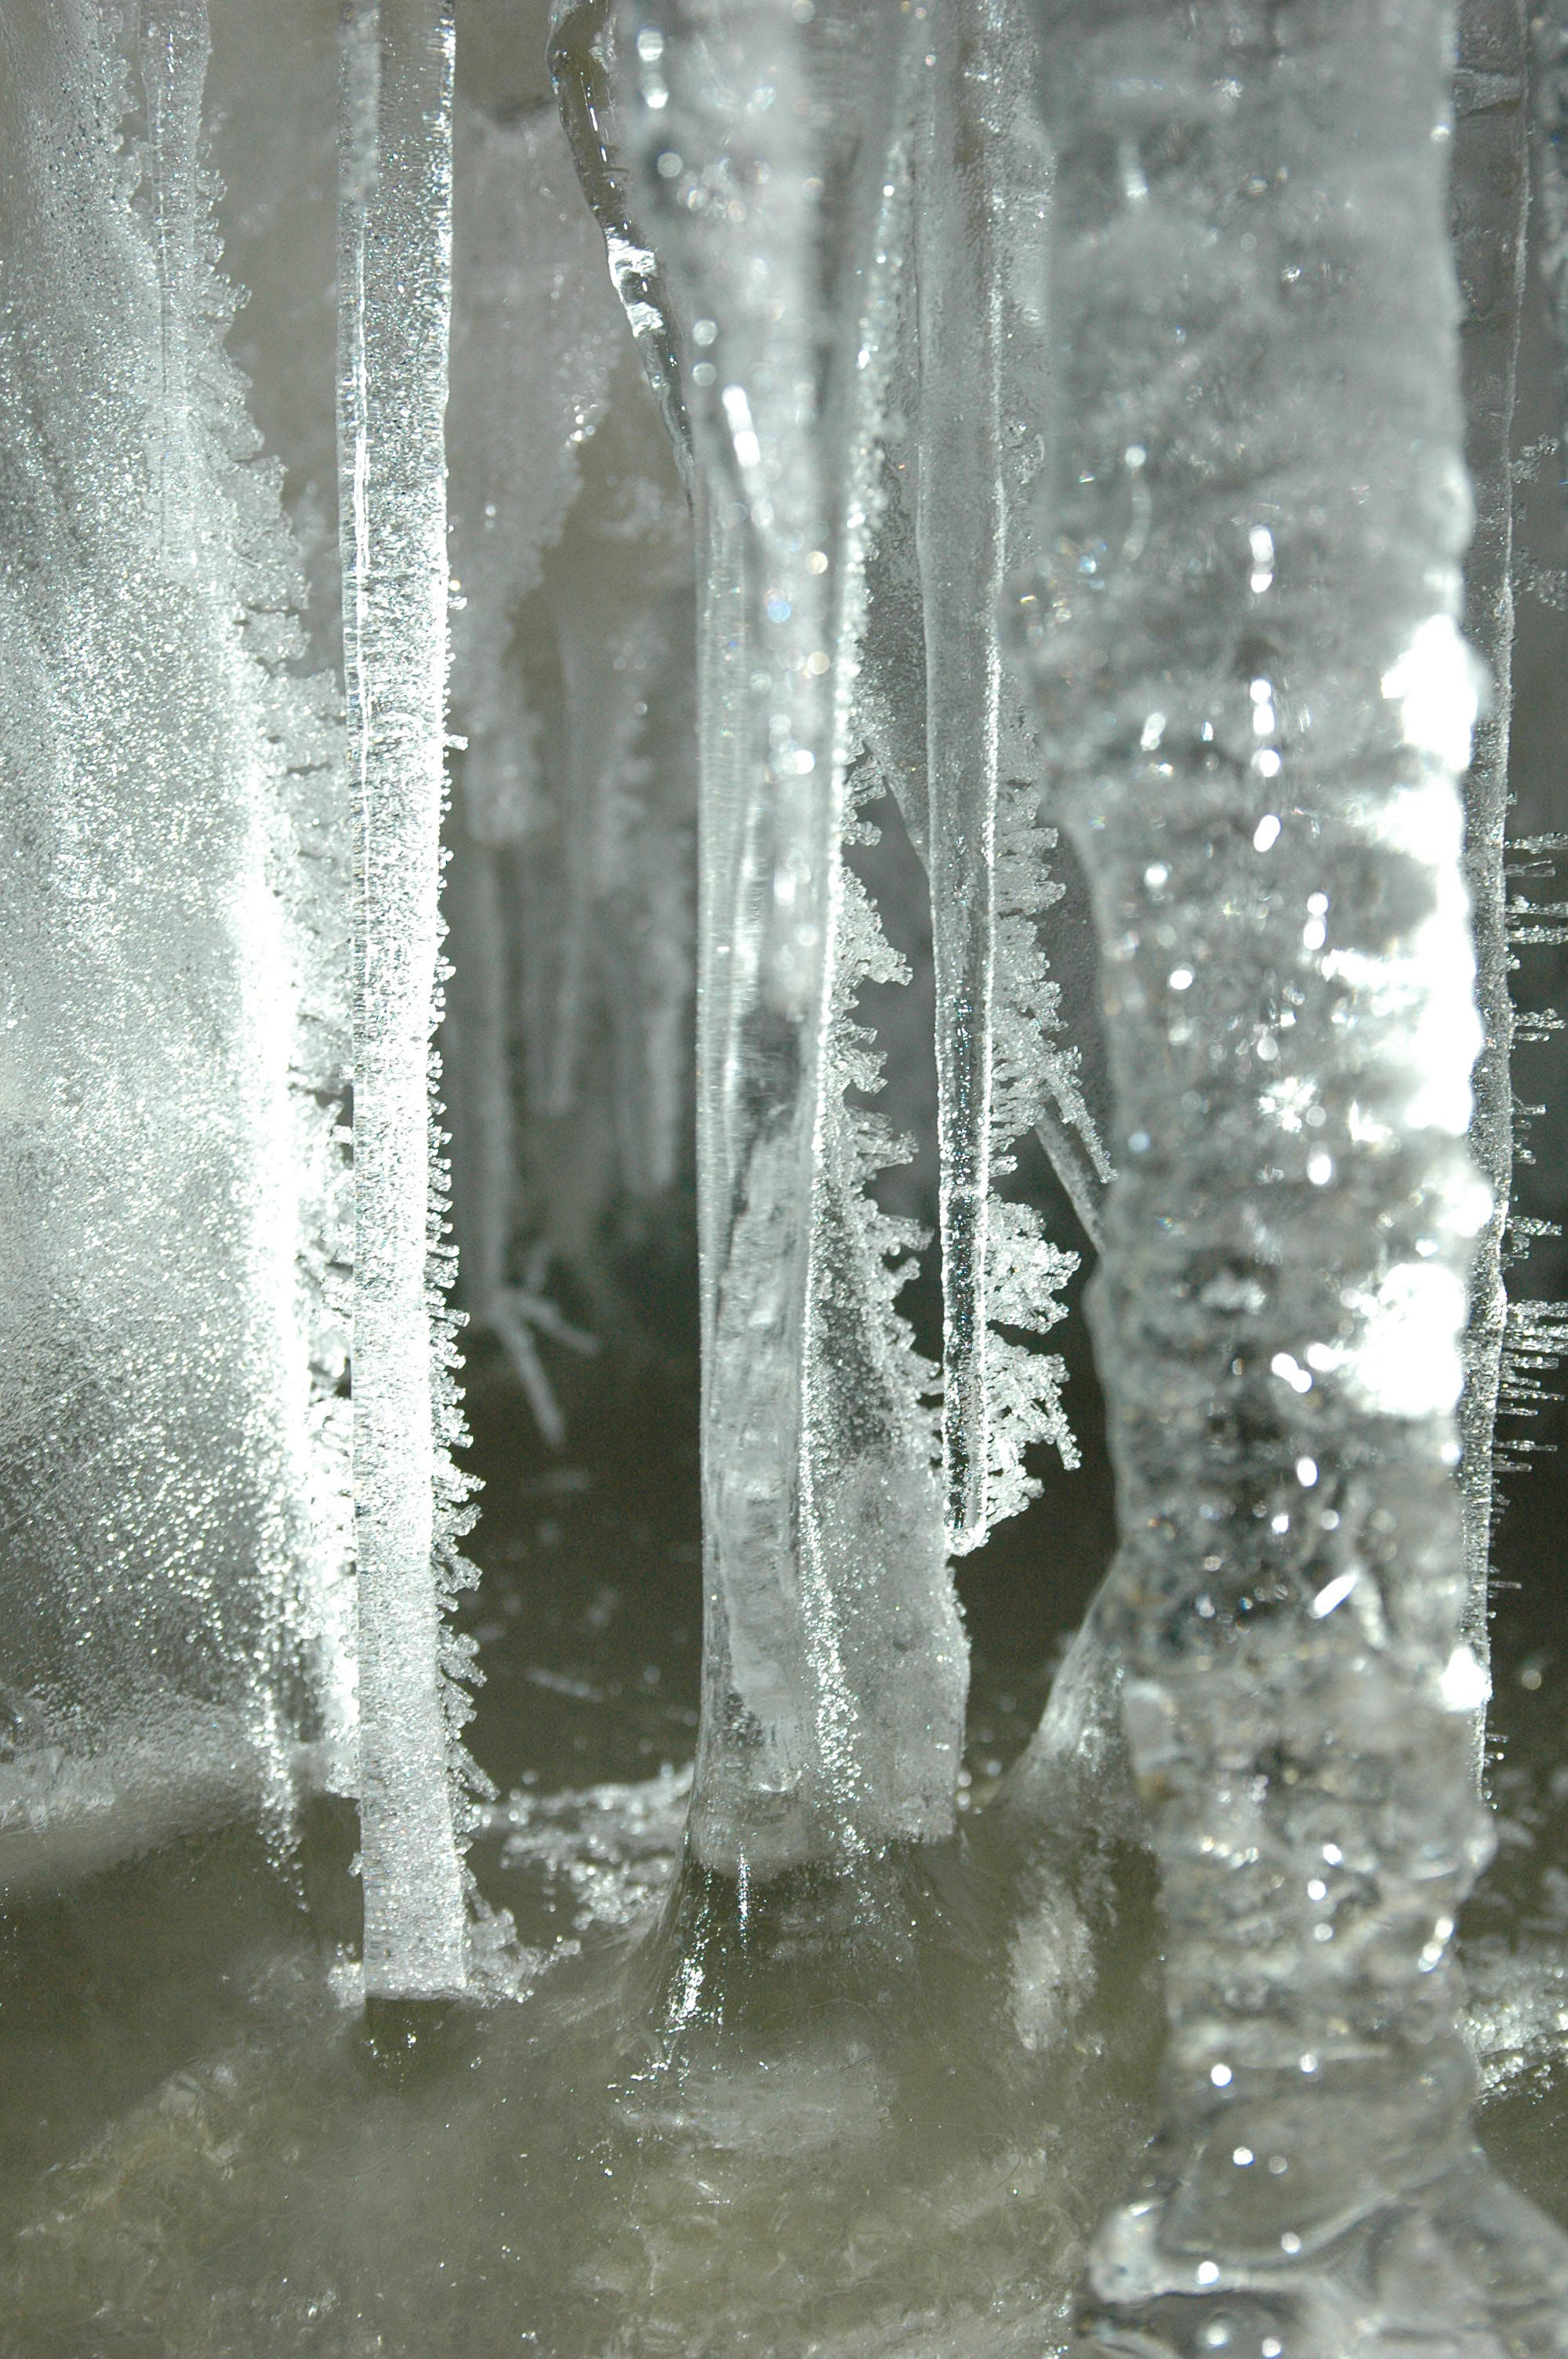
pixel 173 1043
pixel 395 279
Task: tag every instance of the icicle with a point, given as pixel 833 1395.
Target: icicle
pixel 989 129
pixel 961 534
pixel 1258 513
pixel 981 172
pixel 582 52
pixel 1489 193
pixel 890 700
pixel 762 140
pixel 395 293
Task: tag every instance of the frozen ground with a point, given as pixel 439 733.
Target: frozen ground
pixel 861 2119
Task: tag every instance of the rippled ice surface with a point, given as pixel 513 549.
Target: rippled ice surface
pixel 837 2124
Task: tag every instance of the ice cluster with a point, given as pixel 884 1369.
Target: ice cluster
pixel 1078 438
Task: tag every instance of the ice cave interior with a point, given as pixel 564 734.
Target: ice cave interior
pixel 782 1158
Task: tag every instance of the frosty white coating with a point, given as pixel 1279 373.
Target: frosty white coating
pixel 172 1042
pixel 1489 195
pixel 395 277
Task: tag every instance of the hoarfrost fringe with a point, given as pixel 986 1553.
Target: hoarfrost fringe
pixel 394 279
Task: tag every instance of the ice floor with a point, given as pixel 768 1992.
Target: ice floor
pixel 848 2119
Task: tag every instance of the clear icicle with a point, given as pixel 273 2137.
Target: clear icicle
pixel 1258 512
pixel 1490 195
pixel 582 55
pixel 809 1744
pixel 394 279
pixel 960 532
pixel 890 694
pixel 1068 1086
pixel 981 174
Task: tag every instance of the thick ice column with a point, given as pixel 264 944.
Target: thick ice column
pixel 1256 709
pixel 394 280
pixel 834 1680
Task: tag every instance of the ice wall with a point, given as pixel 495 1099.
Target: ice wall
pixel 172 1054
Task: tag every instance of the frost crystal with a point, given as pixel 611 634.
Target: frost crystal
pixel 395 273
pixel 981 177
pixel 172 1050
